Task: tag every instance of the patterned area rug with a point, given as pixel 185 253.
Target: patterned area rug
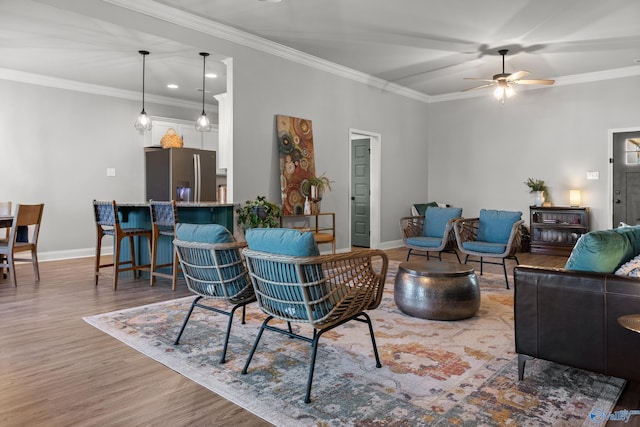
pixel 434 372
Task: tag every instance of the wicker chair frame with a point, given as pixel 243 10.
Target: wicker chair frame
pixel 412 226
pixel 215 271
pixel 466 230
pixel 323 291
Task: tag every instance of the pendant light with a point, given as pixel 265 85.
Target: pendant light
pixel 144 122
pixel 203 124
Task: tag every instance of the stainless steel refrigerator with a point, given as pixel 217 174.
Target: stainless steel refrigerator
pixel 181 174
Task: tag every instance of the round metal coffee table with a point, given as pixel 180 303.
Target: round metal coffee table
pixel 437 290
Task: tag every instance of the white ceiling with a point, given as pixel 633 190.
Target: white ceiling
pixel 428 46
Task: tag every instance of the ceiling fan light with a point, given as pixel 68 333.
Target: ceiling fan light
pixel 499 93
pixel 509 91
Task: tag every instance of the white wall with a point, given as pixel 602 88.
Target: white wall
pixel 55 148
pixel 481 152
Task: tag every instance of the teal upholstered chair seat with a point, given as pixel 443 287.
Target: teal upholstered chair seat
pixel 292 282
pixel 213 268
pixel 485 247
pixel 494 234
pixel 432 232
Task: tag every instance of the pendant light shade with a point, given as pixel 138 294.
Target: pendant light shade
pixel 203 124
pixel 144 121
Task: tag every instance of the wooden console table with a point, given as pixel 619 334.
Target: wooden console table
pixel 323 226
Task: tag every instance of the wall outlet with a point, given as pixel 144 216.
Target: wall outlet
pixel 593 175
pixel 111 171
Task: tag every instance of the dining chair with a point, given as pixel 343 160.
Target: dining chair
pixel 25 216
pixel 108 224
pixel 164 217
pixel 5 210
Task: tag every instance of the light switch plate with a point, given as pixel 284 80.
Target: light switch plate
pixel 111 171
pixel 593 175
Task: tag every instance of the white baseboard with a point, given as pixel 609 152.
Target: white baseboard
pixel 73 253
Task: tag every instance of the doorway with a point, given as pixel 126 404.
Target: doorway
pixel 625 200
pixel 365 183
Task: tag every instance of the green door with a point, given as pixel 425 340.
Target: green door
pixel 360 192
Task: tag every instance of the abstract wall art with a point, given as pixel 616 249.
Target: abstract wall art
pixel 295 146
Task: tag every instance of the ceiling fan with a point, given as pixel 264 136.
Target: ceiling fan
pixel 503 81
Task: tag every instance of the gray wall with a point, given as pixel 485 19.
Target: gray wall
pixel 481 152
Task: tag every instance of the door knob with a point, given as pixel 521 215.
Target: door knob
pixel 353 198
pixel 618 201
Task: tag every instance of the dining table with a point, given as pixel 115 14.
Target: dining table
pixel 6 221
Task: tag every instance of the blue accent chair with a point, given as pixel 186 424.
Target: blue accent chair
pixel 214 269
pixel 293 283
pixel 432 232
pixel 494 234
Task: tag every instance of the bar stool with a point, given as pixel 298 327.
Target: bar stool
pixel 108 224
pixel 164 217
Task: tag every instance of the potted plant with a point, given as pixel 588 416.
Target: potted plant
pixel 259 213
pixel 317 186
pixel 539 189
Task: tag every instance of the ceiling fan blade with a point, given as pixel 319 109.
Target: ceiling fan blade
pixel 517 75
pixel 479 87
pixel 534 82
pixel 479 79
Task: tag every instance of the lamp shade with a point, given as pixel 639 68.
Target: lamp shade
pixel 575 197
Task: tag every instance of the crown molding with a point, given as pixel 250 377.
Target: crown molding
pixel 58 83
pixel 215 29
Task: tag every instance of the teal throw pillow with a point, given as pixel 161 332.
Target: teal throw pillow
pixel 282 241
pixel 203 233
pixel 495 226
pixel 600 251
pixel 632 233
pixel 436 219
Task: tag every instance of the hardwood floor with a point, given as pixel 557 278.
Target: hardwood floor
pixel 56 370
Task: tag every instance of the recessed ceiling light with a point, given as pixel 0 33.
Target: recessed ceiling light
pixel 172 86
pixel 211 75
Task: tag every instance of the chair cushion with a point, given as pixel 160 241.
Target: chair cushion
pixel 436 219
pixel 495 226
pixel 601 251
pixel 486 247
pixel 203 233
pixel 282 241
pixel 424 241
pixel 288 301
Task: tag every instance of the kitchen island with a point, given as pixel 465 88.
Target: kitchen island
pixel 138 215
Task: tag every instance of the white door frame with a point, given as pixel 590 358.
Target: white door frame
pixel 375 182
pixel 610 172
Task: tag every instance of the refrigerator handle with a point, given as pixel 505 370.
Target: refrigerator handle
pixel 196 171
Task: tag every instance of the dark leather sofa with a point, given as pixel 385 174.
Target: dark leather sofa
pixel 571 318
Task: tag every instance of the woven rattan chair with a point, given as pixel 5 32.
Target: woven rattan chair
pixel 108 224
pixel 474 238
pixel 25 217
pixel 432 232
pixel 214 271
pixel 164 217
pixel 324 291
